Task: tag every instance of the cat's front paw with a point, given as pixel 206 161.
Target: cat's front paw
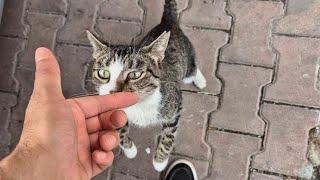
pixel 131 152
pixel 160 166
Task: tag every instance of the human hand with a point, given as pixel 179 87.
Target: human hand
pixel 65 138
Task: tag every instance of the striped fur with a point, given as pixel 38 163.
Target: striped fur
pixel 158 64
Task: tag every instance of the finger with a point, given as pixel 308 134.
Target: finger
pixel 101 160
pixel 93 124
pixel 103 137
pixel 94 141
pixel 110 120
pixel 47 83
pixel 109 140
pixel 113 120
pixel 94 105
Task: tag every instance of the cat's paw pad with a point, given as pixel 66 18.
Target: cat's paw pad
pixel 160 166
pixel 130 153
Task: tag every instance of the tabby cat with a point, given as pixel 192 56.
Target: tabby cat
pixel 153 70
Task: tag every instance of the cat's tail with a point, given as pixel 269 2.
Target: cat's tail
pixel 170 13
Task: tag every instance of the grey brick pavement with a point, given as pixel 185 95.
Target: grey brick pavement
pixel 260 58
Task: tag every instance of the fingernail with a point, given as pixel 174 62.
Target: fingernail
pixel 41 53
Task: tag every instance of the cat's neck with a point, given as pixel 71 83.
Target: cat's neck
pixel 146 111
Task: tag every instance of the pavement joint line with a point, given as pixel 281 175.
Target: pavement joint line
pixel 245 64
pixel 275 174
pixel 25 67
pixel 8 92
pixel 188 157
pixel 73 44
pixel 212 128
pixel 290 104
pixel 220 78
pixel 44 13
pixel 211 150
pixel 143 21
pixel 40 11
pixel 118 20
pixel 183 11
pixel 205 28
pixel 96 14
pixel 126 174
pixel 199 92
pixel 26 28
pixel 263 89
pixel 13 37
pixel 272 0
pixel 296 35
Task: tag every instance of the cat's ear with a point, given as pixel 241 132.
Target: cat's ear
pixel 156 50
pixel 98 47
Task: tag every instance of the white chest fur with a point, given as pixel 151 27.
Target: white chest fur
pixel 146 112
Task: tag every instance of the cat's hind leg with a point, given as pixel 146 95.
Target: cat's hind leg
pixel 126 144
pixel 165 145
pixel 198 79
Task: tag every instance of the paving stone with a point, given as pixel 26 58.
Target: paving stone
pixel 141 166
pixel 258 176
pixel 297 78
pixel 121 9
pixel 6 102
pixel 48 6
pixel 118 32
pixel 119 176
pixel 80 17
pixel 8 59
pixel 26 79
pixel 105 175
pixel 201 166
pixel 192 125
pixel 231 154
pixel 11 23
pixel 153 15
pixel 302 18
pixel 287 139
pixel 249 43
pixel 206 44
pixel 43 29
pixel 73 62
pixel 207 13
pixel 89 86
pixel 242 85
pixel 154 12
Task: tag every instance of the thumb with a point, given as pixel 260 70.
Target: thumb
pixel 47 85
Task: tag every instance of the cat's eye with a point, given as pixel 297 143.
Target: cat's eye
pixel 135 75
pixel 103 74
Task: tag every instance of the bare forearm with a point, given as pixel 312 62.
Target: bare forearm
pixel 27 165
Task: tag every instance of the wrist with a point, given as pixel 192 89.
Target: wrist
pixel 27 163
pixel 33 164
pixel 17 165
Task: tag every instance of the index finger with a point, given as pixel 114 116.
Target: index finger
pixel 94 105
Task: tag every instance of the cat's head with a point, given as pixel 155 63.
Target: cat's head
pixel 126 69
